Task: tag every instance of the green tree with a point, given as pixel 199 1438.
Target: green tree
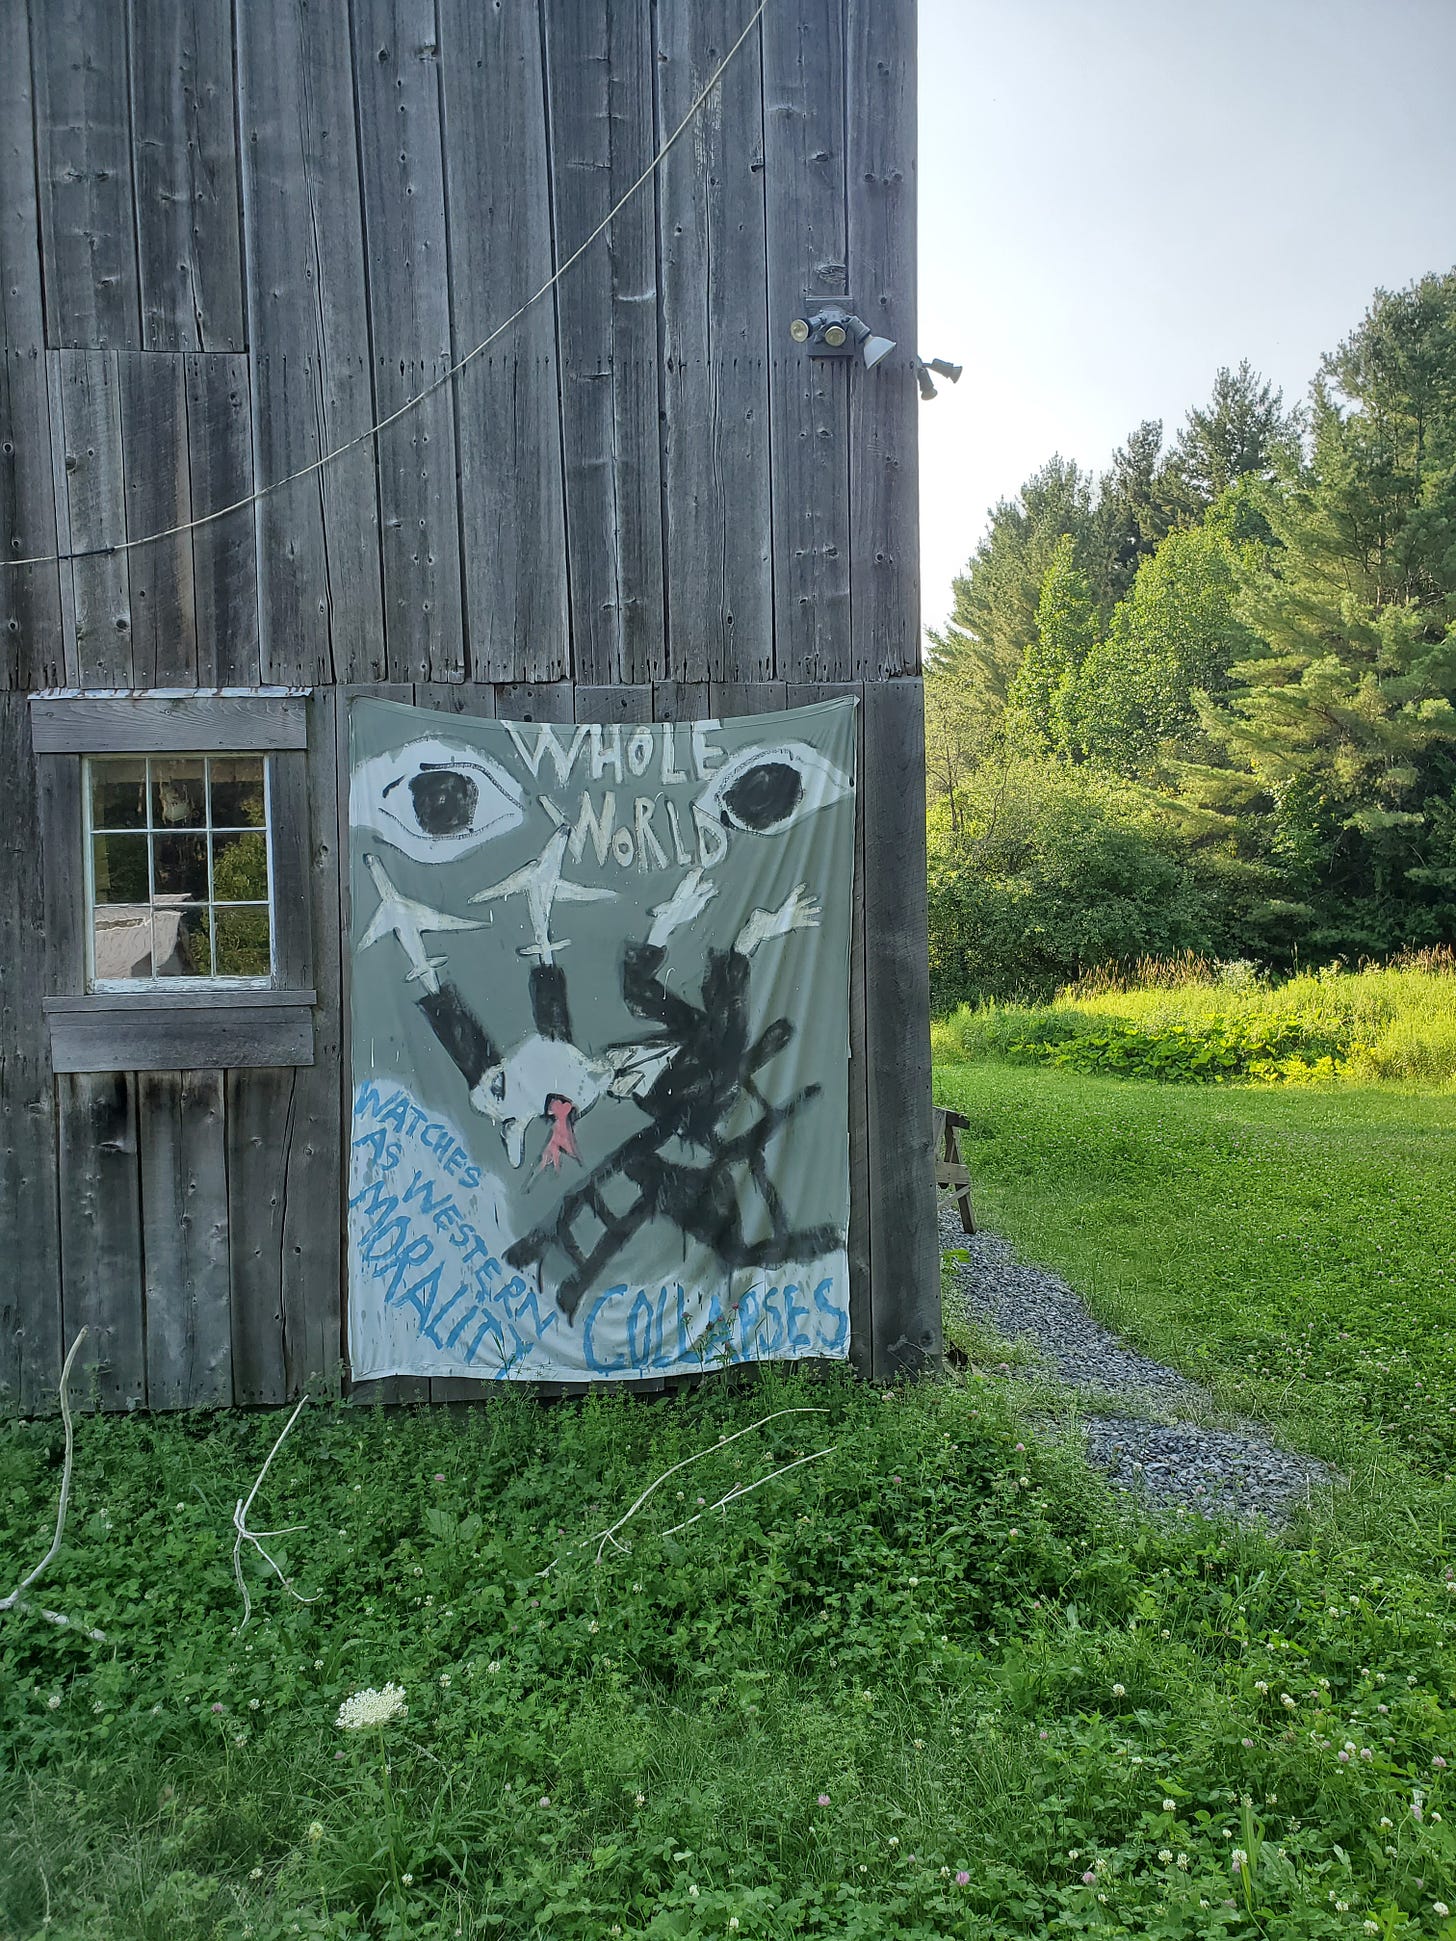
pixel 1175 636
pixel 1041 701
pixel 1338 734
pixel 1243 430
pixel 993 620
pixel 1132 512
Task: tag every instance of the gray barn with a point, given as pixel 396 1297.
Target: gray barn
pixel 232 239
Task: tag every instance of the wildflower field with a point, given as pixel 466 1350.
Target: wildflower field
pixel 936 1680
pixel 1191 1020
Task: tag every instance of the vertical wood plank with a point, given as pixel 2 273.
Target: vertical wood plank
pixel 90 402
pixel 83 142
pixel 321 614
pixel 21 322
pixel 508 423
pixel 680 701
pixel 30 1289
pixel 224 564
pixel 455 697
pixel 861 1338
pixel 153 402
pixel 312 1210
pixel 729 698
pixel 58 810
pixel 101 1236
pixel 189 254
pixel 185 1239
pixel 804 164
pixel 530 701
pixel 904 1259
pixel 884 403
pixel 609 704
pixel 258 1106
pixel 717 506
pixel 599 96
pixel 32 643
pixel 402 167
pixel 60 498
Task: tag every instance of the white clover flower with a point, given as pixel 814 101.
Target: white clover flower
pixel 733 1921
pixel 641 1799
pixel 53 1703
pixel 1119 1691
pixel 1165 1854
pixel 256 1874
pixel 693 1892
pixel 1261 1685
pixel 369 1707
pixel 315 1831
pixel 1239 1859
pixel 408 1880
pixel 1182 1861
pixel 1370 1927
pixel 1440 1910
pixel 1170 1806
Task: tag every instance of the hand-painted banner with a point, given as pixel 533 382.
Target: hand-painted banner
pixel 600 1010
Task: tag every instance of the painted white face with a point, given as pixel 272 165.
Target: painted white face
pixel 516 1091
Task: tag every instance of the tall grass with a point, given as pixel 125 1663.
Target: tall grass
pixel 1378 1023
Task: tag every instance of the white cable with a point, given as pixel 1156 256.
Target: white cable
pixel 373 431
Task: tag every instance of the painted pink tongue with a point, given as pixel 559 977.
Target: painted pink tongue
pixel 562 1143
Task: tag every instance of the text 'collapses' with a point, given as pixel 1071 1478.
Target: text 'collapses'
pixel 411 1234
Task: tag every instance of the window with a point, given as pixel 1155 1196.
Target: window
pixel 179 880
pixel 181 876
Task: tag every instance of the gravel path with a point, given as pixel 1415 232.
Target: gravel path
pixel 1157 1454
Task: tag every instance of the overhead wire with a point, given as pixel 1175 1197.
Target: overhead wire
pixel 436 384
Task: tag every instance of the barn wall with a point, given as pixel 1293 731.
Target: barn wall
pixel 233 238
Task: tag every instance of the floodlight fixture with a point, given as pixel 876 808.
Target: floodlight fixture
pixel 831 329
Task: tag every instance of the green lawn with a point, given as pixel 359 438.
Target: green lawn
pixel 937 1682
pixel 1297 1248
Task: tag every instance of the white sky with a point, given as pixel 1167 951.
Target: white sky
pixel 1118 196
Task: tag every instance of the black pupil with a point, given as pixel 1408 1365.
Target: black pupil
pixel 765 796
pixel 444 800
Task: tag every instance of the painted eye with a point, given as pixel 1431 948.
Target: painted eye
pixel 435 799
pixel 766 790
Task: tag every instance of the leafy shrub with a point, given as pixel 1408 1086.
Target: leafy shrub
pixel 1039 872
pixel 1195 1020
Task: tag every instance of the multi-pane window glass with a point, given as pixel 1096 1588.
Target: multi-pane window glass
pixel 178 859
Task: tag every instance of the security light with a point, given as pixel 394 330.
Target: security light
pixel 831 329
pixel 942 368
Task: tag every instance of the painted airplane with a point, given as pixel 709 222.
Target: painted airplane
pixel 400 916
pixel 542 884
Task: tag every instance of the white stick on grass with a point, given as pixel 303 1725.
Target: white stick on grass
pixel 746 1489
pixel 17 1600
pixel 254 1537
pixel 610 1536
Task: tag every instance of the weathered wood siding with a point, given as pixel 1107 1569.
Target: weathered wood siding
pixel 231 238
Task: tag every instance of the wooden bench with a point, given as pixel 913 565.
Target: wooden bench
pixel 950 1167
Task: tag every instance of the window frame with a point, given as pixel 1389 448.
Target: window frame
pixel 176 1024
pixel 117 986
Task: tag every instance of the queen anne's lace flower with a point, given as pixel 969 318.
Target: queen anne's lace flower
pixel 369 1707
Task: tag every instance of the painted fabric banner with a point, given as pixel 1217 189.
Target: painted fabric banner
pixel 600 1027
